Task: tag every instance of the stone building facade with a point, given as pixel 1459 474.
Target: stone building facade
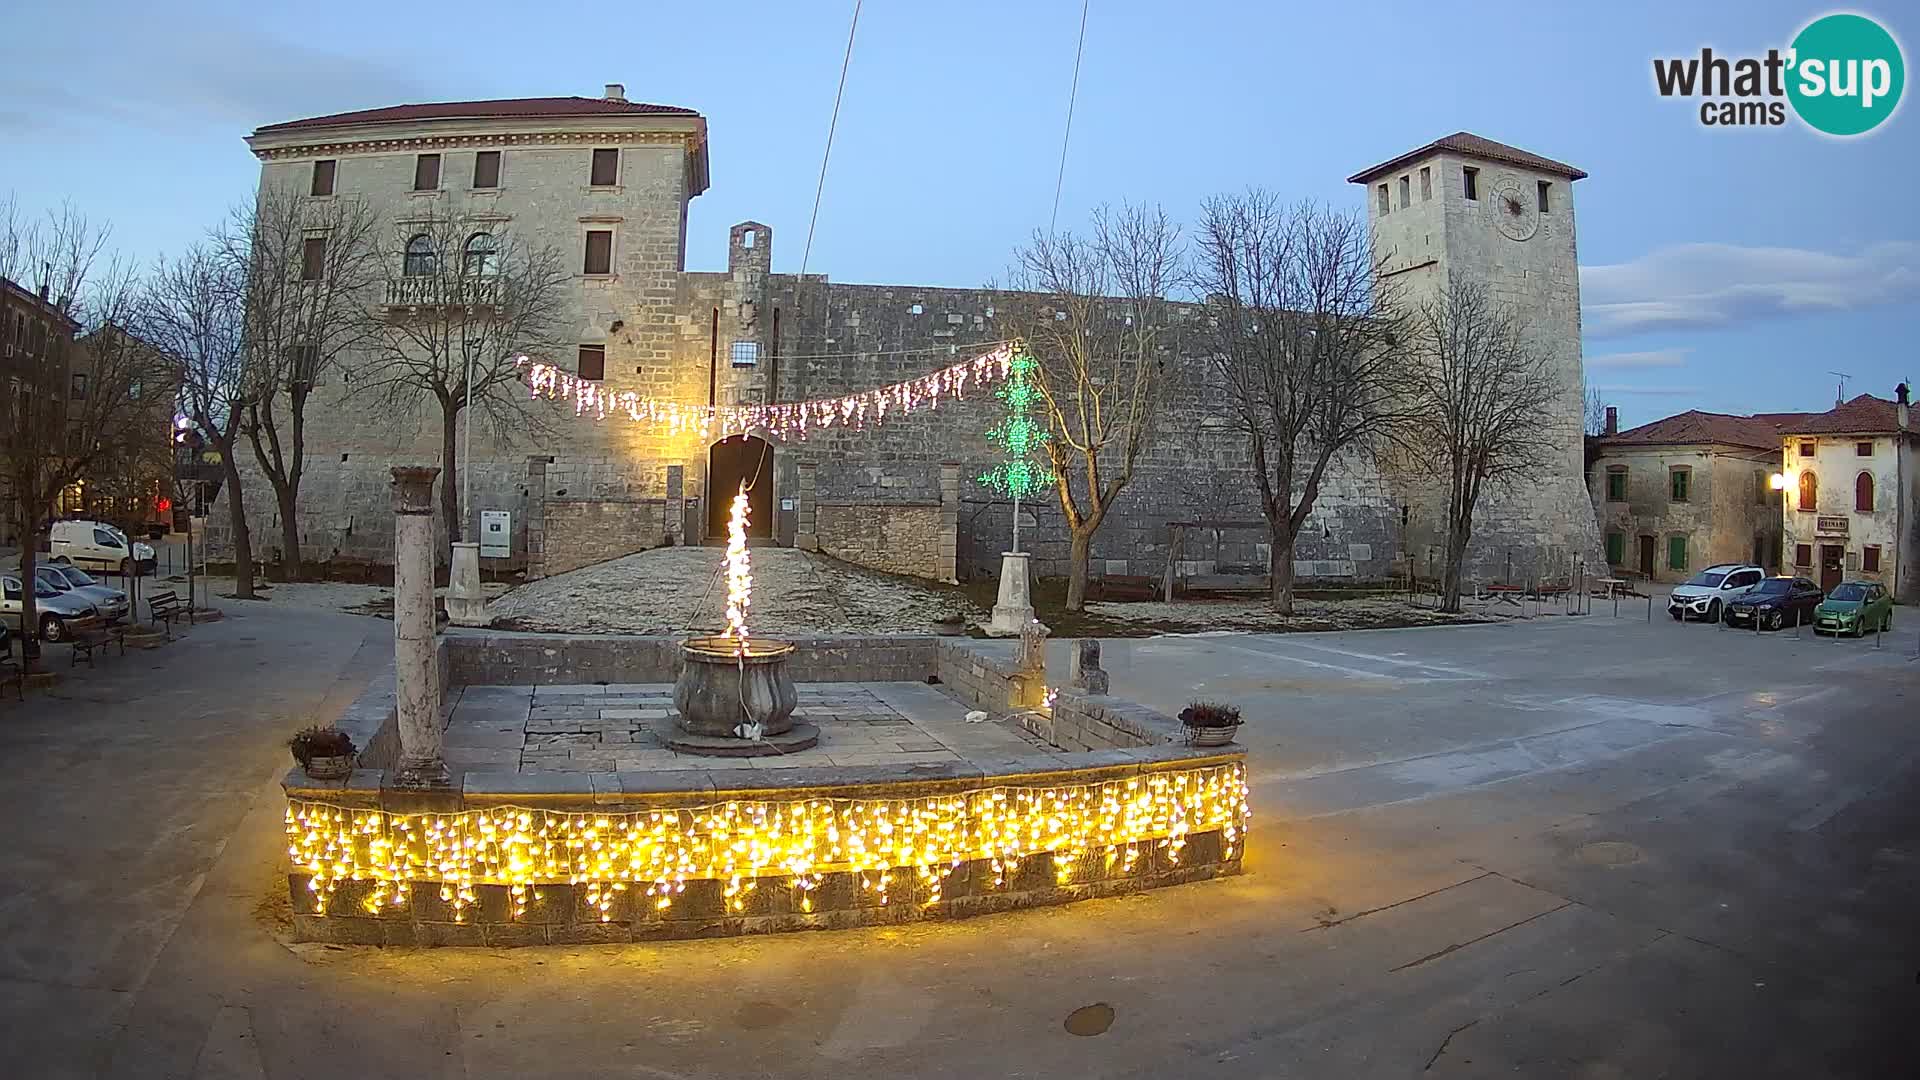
pixel 1852 494
pixel 747 335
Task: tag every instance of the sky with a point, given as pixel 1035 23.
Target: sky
pixel 1726 270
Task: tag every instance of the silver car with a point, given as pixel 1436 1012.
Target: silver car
pixel 56 608
pixel 110 602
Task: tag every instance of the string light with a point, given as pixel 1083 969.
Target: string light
pixel 739 573
pixel 655 853
pixel 790 419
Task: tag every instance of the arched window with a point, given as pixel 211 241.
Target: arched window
pixel 1809 490
pixel 1863 493
pixel 482 258
pixel 420 261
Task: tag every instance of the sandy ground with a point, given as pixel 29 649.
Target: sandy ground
pixel 326 595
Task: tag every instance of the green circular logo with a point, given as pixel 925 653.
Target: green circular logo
pixel 1847 74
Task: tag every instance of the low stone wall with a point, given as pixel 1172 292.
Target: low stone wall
pixel 898 538
pixel 978 677
pixel 581 532
pixel 559 659
pixel 1082 721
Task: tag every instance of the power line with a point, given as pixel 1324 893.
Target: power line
pixel 1072 94
pixel 832 124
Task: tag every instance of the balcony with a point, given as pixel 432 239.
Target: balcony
pixel 443 290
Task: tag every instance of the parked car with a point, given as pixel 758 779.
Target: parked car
pixel 98 544
pixel 56 609
pixel 1707 593
pixel 1776 602
pixel 109 602
pixel 1855 607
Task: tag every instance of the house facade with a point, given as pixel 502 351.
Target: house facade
pixel 38 380
pixel 1851 496
pixel 1688 491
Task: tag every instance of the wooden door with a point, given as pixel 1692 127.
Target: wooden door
pixel 1646 557
pixel 1830 556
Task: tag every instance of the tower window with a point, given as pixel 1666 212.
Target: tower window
pixel 746 353
pixel 1386 201
pixel 1863 449
pixel 486 169
pixel 593 362
pixel 1406 191
pixel 1541 187
pixel 323 177
pixel 1471 176
pixel 599 258
pixel 1426 184
pixel 313 258
pixel 606 168
pixel 426 172
pixel 746 239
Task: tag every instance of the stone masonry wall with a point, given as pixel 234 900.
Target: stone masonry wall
pixel 581 532
pixel 896 539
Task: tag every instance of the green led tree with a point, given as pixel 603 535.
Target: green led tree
pixel 1019 475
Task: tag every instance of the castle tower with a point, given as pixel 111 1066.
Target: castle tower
pixel 1503 217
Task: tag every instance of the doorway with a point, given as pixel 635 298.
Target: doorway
pixel 731 462
pixel 1830 555
pixel 1646 557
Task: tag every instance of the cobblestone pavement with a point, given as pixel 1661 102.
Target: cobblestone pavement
pixel 613 728
pixel 670 590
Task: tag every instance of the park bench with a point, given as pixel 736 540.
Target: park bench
pixel 12 671
pixel 165 607
pixel 91 635
pixel 1195 585
pixel 1125 587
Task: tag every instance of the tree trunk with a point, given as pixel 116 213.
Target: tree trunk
pixel 29 612
pixel 1280 569
pixel 1079 544
pixel 1450 574
pixel 449 474
pixel 291 566
pixel 237 511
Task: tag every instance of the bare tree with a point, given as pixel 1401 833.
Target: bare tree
pixel 1480 385
pixel 1596 412
pixel 195 316
pixel 464 298
pixel 1305 332
pixel 1093 312
pixel 56 430
pixel 310 269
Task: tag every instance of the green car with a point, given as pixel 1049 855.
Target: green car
pixel 1855 607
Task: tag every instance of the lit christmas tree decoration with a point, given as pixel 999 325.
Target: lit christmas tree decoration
pixel 739 573
pixel 1019 475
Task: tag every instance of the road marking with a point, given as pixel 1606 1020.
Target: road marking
pixel 1358 655
pixel 1265 655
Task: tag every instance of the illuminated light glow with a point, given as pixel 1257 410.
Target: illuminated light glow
pixel 739 573
pixel 1103 826
pixel 1019 476
pixel 785 420
pixel 1778 481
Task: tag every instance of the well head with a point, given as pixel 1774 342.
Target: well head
pixel 714 648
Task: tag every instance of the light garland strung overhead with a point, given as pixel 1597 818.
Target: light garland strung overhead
pixel 785 420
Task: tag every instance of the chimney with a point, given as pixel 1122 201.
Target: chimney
pixel 1900 405
pixel 1613 421
pixel 615 92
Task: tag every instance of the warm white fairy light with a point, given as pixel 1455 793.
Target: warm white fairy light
pixel 739 573
pixel 1090 829
pixel 790 419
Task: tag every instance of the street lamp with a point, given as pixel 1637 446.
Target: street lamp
pixel 1778 481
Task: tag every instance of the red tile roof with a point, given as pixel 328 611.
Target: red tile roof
pixel 510 108
pixel 1761 431
pixel 1864 415
pixel 1466 142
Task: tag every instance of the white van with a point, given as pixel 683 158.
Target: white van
pixel 98 544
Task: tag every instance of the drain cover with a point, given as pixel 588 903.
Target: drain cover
pixel 1092 1019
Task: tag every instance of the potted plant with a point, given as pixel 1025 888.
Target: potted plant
pixel 325 753
pixel 1210 723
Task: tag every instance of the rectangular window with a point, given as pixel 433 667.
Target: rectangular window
pixel 1541 187
pixel 1617 484
pixel 313 258
pixel 1406 192
pixel 323 177
pixel 1676 553
pixel 606 168
pixel 1386 202
pixel 426 172
pixel 1870 558
pixel 1803 554
pixel 746 353
pixel 1616 549
pixel 1472 179
pixel 1863 449
pixel 1678 481
pixel 79 386
pixel 599 252
pixel 593 362
pixel 1426 184
pixel 1806 449
pixel 486 169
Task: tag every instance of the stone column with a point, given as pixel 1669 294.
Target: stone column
pixel 416 682
pixel 537 516
pixel 1083 667
pixel 805 538
pixel 675 514
pixel 466 601
pixel 949 539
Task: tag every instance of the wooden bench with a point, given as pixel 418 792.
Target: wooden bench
pixel 165 607
pixel 1125 587
pixel 92 635
pixel 12 671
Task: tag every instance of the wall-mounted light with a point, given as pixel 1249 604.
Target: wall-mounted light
pixel 1778 481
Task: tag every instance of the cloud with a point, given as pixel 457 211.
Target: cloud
pixel 1651 391
pixel 1705 286
pixel 1657 358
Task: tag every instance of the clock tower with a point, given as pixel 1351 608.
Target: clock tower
pixel 1502 217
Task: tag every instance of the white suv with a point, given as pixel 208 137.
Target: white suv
pixel 1706 594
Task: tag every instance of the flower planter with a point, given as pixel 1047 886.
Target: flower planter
pixel 329 768
pixel 1211 736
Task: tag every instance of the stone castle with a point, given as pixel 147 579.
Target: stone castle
pixel 608 182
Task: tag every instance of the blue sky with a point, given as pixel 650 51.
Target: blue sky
pixel 1724 270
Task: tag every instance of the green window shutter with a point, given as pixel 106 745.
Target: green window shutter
pixel 1676 553
pixel 1617 486
pixel 1616 549
pixel 1679 478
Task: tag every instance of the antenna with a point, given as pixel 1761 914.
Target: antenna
pixel 1840 395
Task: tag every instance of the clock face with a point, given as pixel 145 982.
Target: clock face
pixel 1513 210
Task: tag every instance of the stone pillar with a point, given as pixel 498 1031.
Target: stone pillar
pixel 1083 667
pixel 416 681
pixel 537 516
pixel 466 602
pixel 676 512
pixel 1033 647
pixel 949 539
pixel 804 536
pixel 1015 609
